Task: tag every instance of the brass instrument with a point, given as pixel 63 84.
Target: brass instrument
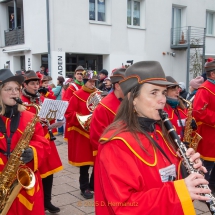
pixel 16 174
pixel 190 136
pixel 92 102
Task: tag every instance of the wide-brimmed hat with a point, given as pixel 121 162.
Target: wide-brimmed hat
pixel 30 75
pixel 172 80
pixel 143 72
pixel 6 75
pixel 117 75
pixel 210 66
pixel 79 68
pixel 90 75
pixel 45 78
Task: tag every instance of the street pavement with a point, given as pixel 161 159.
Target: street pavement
pixel 66 193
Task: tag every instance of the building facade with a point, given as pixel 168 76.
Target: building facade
pixel 97 34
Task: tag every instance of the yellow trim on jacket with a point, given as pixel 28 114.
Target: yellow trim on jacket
pixel 135 153
pixel 167 144
pixel 51 172
pixel 79 98
pixel 82 164
pixel 200 123
pixel 31 191
pixel 95 152
pixel 25 202
pixel 207 158
pixel 207 90
pixel 73 128
pixel 35 158
pixel 108 108
pixel 184 196
pixel 1 162
pixel 47 136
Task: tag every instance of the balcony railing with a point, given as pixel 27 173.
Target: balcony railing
pixel 14 37
pixel 184 37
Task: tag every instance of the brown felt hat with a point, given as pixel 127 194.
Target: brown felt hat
pixel 143 72
pixel 117 75
pixel 6 75
pixel 172 80
pixel 210 66
pixel 45 78
pixel 79 68
pixel 31 75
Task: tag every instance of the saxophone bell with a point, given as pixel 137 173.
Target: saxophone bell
pixel 26 177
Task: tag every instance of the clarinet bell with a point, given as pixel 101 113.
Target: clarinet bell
pixel 52 137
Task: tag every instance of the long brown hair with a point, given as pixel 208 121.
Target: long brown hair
pixel 126 120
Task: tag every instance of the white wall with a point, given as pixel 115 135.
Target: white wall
pixel 71 31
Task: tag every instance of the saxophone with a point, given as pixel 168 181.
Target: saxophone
pixel 15 174
pixel 186 160
pixel 190 136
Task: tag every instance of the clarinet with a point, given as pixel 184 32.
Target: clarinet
pixel 186 161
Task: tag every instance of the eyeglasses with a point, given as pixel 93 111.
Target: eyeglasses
pixel 173 87
pixel 10 90
pixel 79 73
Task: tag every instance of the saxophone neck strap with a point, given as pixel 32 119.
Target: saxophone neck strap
pixel 13 127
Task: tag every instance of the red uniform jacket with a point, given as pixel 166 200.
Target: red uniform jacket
pixel 204 113
pixel 53 163
pixel 29 202
pixel 175 120
pixel 70 90
pixel 80 151
pixel 127 179
pixel 49 95
pixel 102 117
pixel 66 97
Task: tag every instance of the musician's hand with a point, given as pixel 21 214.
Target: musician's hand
pixel 195 158
pixel 27 155
pixel 43 90
pixel 192 181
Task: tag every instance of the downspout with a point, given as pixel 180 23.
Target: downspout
pixel 15 13
pixel 48 37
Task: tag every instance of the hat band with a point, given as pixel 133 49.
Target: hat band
pixel 152 79
pixel 143 81
pixel 211 70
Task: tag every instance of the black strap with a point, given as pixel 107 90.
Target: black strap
pixel 13 127
pixel 59 92
pixel 157 145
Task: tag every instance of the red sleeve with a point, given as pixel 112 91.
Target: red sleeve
pixel 68 93
pixel 40 146
pixel 119 176
pixel 101 119
pixel 71 111
pixel 202 111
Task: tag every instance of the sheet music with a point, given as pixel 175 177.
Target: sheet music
pixel 53 105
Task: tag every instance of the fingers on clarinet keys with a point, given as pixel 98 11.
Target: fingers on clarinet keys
pixel 27 155
pixel 197 187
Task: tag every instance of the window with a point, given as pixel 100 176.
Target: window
pixel 133 13
pixel 97 10
pixel 210 23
